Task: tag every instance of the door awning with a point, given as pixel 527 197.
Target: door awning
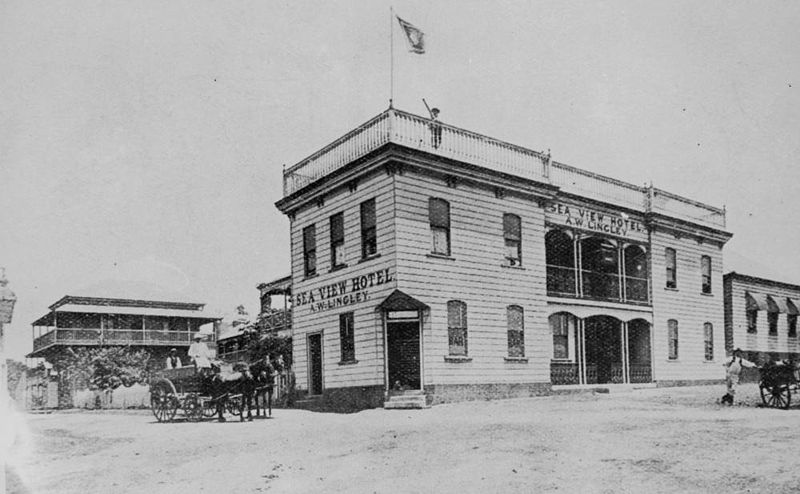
pixel 400 301
pixel 756 301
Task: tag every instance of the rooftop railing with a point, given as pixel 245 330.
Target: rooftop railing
pixel 415 132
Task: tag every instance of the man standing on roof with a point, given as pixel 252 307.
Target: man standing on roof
pixel 199 353
pixel 733 367
pixel 436 128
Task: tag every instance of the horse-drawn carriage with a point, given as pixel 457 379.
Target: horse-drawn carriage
pixel 778 380
pixel 203 393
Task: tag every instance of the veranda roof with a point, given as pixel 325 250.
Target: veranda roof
pixel 204 317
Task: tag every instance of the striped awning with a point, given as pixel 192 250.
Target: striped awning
pixel 793 306
pixel 780 303
pixel 757 301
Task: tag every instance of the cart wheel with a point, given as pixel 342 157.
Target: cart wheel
pixel 163 401
pixel 776 396
pixel 192 408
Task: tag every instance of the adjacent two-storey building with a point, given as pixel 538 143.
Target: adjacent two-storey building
pixel 431 260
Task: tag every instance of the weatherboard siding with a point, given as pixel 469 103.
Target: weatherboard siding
pixel 368 369
pixel 474 273
pixel 687 305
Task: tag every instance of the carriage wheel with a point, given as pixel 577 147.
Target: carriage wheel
pixel 163 401
pixel 192 408
pixel 776 396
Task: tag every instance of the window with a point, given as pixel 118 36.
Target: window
pixel 752 321
pixel 672 325
pixel 515 317
pixel 791 322
pixel 560 260
pixel 346 337
pixel 369 239
pixel 560 325
pixel 672 274
pixel 512 232
pixel 310 250
pixel 457 327
pixel 705 268
pixel 708 338
pixel 337 240
pixel 439 215
pixel 772 320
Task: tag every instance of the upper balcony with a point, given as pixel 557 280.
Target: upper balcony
pixel 415 132
pixel 114 337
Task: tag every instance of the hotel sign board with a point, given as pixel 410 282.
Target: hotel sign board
pixel 349 291
pixel 618 224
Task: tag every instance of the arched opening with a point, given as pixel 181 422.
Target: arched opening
pixel 636 276
pixel 603 350
pixel 560 260
pixel 600 268
pixel 639 351
pixel 563 364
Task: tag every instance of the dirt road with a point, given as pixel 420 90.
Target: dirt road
pixel 654 441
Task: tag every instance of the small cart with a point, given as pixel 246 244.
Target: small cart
pixel 778 381
pixel 187 388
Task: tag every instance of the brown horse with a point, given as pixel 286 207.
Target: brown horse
pixel 263 385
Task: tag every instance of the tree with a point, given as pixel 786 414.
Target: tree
pixel 103 368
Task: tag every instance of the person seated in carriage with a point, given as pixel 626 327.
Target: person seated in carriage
pixel 173 361
pixel 733 368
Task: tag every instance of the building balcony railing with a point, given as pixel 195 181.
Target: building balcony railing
pixel 412 131
pixel 561 282
pixel 98 337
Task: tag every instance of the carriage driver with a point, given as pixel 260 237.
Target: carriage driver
pixel 733 367
pixel 199 353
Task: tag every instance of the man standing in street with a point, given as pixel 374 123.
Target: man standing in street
pixel 733 368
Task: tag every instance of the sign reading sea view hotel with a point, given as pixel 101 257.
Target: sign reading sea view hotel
pixel 618 224
pixel 345 292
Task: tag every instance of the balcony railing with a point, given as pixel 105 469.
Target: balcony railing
pixel 415 132
pixel 596 285
pixel 97 337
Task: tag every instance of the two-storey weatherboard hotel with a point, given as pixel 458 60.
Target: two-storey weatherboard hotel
pixel 433 264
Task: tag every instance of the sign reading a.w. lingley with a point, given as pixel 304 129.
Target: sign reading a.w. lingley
pixel 343 292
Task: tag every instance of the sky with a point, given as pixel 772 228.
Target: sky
pixel 143 142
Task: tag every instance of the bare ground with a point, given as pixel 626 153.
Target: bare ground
pixel 654 441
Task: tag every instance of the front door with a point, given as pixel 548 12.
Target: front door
pixel 315 364
pixel 402 340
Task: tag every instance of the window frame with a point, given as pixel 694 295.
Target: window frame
pixel 705 275
pixel 752 320
pixel 671 267
pixel 347 342
pixel 369 232
pixel 512 237
pixel 673 339
pixel 708 341
pixel 337 239
pixel 310 250
pixel 457 330
pixel 439 223
pixel 516 335
pixel 772 323
pixel 560 329
pixel 791 323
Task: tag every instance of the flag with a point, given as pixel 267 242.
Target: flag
pixel 416 38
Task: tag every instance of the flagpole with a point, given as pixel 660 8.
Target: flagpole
pixel 391 55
